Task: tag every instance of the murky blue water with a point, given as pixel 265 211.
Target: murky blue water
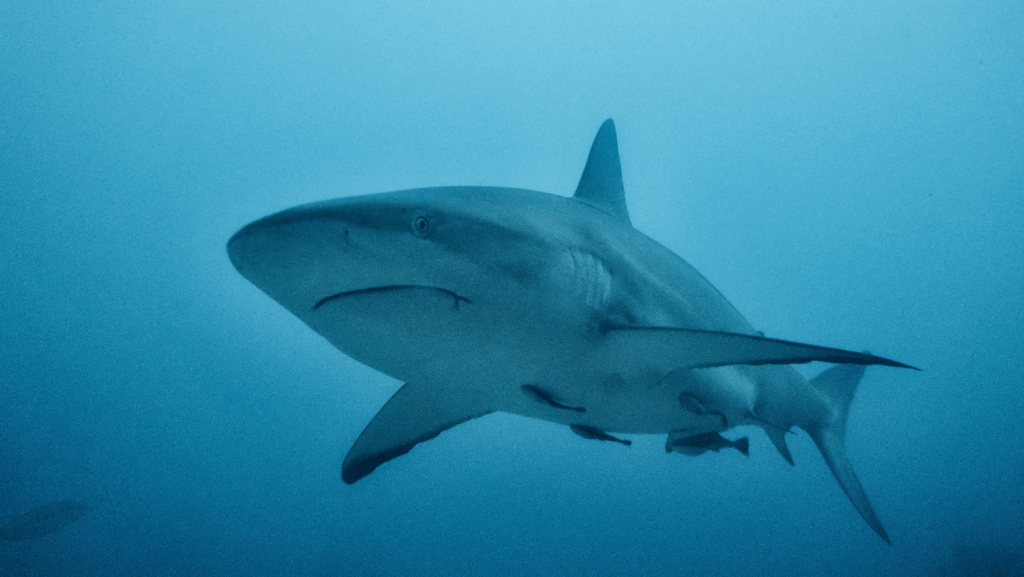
pixel 849 175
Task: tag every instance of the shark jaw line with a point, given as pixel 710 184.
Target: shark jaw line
pixel 389 288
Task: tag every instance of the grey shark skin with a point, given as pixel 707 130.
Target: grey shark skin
pixel 489 299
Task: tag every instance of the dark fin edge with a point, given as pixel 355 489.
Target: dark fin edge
pixel 354 470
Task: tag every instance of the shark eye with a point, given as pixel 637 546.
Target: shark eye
pixel 420 226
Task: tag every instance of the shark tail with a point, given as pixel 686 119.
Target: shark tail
pixel 838 384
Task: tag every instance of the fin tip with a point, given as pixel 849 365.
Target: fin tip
pixel 743 445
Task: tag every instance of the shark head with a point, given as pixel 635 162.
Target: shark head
pixel 308 256
pixel 394 278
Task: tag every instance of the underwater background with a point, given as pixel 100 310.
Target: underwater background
pixel 847 174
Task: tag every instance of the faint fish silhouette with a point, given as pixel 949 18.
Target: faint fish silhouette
pixel 42 520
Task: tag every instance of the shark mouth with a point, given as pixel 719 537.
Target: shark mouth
pixel 391 288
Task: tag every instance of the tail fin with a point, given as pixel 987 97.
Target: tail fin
pixel 838 384
pixel 743 445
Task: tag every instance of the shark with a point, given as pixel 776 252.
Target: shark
pixel 43 520
pixel 488 299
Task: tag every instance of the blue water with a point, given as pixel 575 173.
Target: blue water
pixel 847 174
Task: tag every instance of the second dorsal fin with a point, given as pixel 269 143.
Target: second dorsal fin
pixel 601 183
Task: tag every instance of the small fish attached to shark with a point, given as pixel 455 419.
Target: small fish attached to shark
pixel 588 432
pixel 694 445
pixel 487 299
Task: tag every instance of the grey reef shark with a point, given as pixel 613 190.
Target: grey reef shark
pixel 485 299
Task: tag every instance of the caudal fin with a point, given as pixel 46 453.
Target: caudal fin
pixel 838 385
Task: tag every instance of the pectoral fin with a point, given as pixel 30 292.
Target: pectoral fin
pixel 669 349
pixel 413 415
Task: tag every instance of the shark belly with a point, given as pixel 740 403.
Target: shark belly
pixel 429 337
pixel 648 405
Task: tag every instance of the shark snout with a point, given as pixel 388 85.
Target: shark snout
pixel 286 239
pixel 285 256
pixel 240 249
pixel 257 246
pixel 303 255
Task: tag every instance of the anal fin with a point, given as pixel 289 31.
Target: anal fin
pixel 778 438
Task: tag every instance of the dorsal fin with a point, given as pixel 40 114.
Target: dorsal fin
pixel 601 183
